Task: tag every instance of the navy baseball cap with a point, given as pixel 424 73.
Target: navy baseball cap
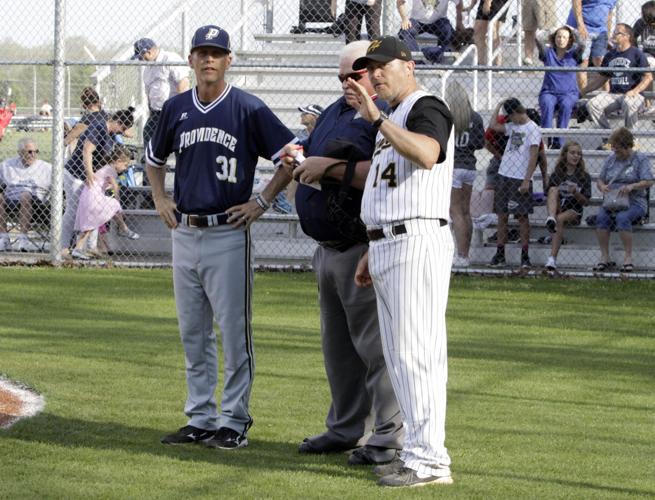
pixel 141 46
pixel 384 49
pixel 513 105
pixel 311 109
pixel 211 36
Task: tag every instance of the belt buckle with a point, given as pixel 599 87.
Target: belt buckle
pixel 192 220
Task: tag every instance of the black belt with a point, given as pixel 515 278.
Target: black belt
pixel 378 234
pixel 192 220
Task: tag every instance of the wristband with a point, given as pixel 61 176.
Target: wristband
pixel 376 124
pixel 261 201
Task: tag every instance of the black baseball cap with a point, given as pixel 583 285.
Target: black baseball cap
pixel 211 36
pixel 311 109
pixel 513 105
pixel 384 49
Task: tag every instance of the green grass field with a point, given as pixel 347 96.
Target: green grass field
pixel 551 389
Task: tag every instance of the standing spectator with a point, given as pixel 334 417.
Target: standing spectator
pixel 514 187
pixel 559 90
pixel 419 16
pixel 630 172
pixel 625 88
pixel 217 133
pixel 350 333
pixel 356 10
pixel 93 150
pixel 569 190
pixel 308 116
pixel 96 208
pixel 469 137
pixel 487 10
pixel 92 112
pixel 592 20
pixel 161 82
pixel 24 186
pixel 644 31
pixel 6 114
pixel 537 14
pixel 405 208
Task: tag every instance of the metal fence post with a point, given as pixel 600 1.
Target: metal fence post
pixel 58 84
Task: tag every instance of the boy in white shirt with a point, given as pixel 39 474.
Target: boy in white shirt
pixel 514 187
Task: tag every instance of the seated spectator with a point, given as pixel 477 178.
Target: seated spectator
pixel 308 116
pixel 644 31
pixel 469 137
pixel 356 10
pixel 537 14
pixel 486 12
pixel 514 183
pixel 25 182
pixel 96 208
pixel 559 90
pixel 630 172
pixel 569 190
pixel 591 19
pixel 416 17
pixel 46 109
pixel 625 88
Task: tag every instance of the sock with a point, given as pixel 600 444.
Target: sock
pixel 500 249
pixel 524 249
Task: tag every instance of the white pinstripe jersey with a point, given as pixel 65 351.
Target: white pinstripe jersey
pixel 397 189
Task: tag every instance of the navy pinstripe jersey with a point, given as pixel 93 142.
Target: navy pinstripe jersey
pixel 216 147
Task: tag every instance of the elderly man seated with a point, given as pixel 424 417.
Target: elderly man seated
pixel 24 186
pixel 625 88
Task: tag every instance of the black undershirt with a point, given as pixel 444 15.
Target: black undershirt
pixel 430 116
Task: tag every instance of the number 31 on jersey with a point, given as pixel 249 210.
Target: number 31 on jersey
pixel 227 169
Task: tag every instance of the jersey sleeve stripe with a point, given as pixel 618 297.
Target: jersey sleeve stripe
pixel 152 159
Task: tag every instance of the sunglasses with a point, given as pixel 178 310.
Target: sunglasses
pixel 31 151
pixel 355 75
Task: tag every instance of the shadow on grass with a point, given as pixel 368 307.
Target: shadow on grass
pixel 264 455
pixel 564 482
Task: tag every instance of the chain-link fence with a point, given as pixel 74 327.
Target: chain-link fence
pixel 70 92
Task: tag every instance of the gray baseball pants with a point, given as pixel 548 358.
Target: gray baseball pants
pixel 212 277
pixel 363 400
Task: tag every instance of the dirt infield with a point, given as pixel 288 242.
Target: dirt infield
pixel 17 402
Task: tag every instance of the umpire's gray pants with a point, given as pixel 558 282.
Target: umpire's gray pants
pixel 362 395
pixel 605 103
pixel 212 277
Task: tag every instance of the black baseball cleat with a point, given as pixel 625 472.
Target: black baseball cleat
pixel 227 439
pixel 371 455
pixel 393 467
pixel 187 435
pixel 409 478
pixel 525 260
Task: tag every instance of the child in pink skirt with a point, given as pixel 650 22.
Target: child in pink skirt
pixel 96 208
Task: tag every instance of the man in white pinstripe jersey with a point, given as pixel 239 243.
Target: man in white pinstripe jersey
pixel 405 208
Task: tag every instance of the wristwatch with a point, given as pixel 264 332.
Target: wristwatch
pixel 383 116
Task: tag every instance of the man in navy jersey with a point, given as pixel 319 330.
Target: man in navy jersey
pixel 217 132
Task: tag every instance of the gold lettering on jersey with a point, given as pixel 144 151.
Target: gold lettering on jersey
pixel 380 146
pixel 207 134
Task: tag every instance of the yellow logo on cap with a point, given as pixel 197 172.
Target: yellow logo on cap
pixel 374 45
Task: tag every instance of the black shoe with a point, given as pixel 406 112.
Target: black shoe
pixel 227 439
pixel 317 445
pixel 408 477
pixel 371 455
pixel 525 260
pixel 393 467
pixel 498 260
pixel 188 434
pixel 551 224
